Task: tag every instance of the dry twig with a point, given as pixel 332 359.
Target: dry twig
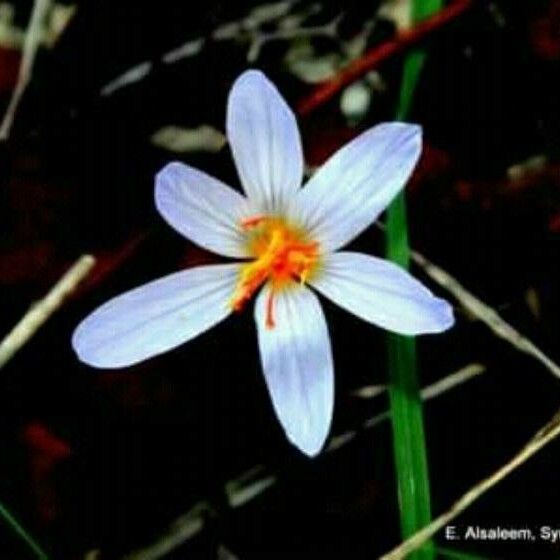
pixel 32 321
pixel 374 57
pixel 484 312
pixel 544 436
pixel 30 46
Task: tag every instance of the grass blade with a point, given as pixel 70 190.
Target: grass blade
pixel 17 528
pixel 409 444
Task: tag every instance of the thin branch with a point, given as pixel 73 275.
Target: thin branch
pixel 32 321
pixel 484 312
pixel 184 528
pixel 30 46
pixel 131 76
pixel 374 57
pixel 434 390
pixel 260 39
pixel 543 437
pixel 442 386
pixel 451 381
pixel 243 28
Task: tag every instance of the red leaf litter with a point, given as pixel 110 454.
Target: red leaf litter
pixel 554 223
pixel 46 451
pixel 545 33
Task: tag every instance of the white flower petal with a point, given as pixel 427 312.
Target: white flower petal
pixel 357 183
pixel 156 317
pixel 265 141
pixel 201 208
pixel 297 363
pixel 382 293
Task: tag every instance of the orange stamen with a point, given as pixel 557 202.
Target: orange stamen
pixel 270 324
pixel 282 254
pixel 251 222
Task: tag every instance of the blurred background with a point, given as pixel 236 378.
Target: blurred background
pixel 184 451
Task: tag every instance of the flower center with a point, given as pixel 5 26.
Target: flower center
pixel 282 254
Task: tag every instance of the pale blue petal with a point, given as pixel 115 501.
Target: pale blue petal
pixel 265 141
pixel 203 209
pixel 297 364
pixel 156 317
pixel 357 183
pixel 382 293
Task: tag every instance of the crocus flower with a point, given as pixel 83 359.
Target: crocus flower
pixel 287 240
